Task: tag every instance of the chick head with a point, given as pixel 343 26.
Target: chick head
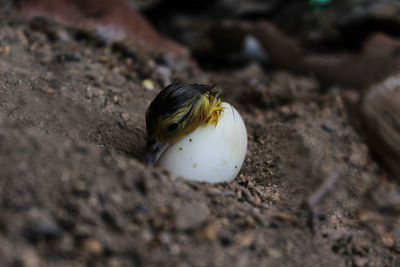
pixel 177 111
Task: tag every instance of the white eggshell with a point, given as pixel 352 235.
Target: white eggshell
pixel 210 154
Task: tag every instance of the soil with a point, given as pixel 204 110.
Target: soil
pixel 73 192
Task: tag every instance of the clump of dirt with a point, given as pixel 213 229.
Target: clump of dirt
pixel 73 192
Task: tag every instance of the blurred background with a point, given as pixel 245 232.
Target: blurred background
pixel 226 34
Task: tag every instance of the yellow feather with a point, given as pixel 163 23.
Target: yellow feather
pixel 207 110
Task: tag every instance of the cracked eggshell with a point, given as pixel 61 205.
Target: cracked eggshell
pixel 210 154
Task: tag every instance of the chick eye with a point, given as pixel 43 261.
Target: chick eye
pixel 172 127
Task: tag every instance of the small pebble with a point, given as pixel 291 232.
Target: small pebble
pixel 274 253
pixel 37 231
pixel 5 49
pixel 360 261
pixel 28 258
pixel 191 216
pixel 328 127
pixel 69 57
pixel 125 116
pixel 211 230
pixel 387 241
pixel 124 49
pixel 148 84
pixel 80 189
pixel 245 239
pixel 47 90
pixel 92 246
pixel 358 159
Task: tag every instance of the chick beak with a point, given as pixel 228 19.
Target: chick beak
pixel 153 151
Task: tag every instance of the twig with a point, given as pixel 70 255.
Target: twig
pixel 316 197
pixel 323 190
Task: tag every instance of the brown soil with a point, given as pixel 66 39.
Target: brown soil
pixel 73 192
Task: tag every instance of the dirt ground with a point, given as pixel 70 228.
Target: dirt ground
pixel 72 192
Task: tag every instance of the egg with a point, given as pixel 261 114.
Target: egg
pixel 210 153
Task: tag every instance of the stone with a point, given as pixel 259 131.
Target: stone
pixel 190 216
